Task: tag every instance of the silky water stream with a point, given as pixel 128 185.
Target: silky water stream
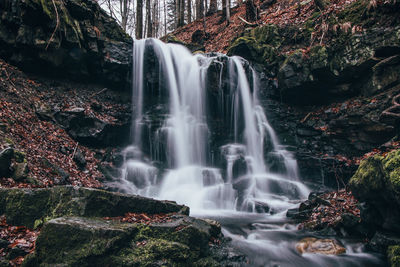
pixel 200 137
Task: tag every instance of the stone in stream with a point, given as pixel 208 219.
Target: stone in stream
pixel 320 246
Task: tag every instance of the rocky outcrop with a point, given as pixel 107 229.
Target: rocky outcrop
pixel 76 241
pixel 34 206
pixel 68 39
pixel 349 64
pixel 328 100
pixel 376 184
pixel 88 227
pixel 93 131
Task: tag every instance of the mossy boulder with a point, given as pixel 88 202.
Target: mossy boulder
pixel 193 47
pixel 258 45
pixel 376 183
pixel 393 255
pixel 369 179
pixel 27 206
pixel 378 178
pixel 77 241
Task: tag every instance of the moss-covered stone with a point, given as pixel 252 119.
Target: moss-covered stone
pixel 369 179
pixel 258 45
pixel 19 156
pixel 25 206
pixel 393 255
pixel 78 241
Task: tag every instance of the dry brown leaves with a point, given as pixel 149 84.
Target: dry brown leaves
pixel 282 13
pixel 17 236
pixel 341 202
pixel 39 139
pixel 144 218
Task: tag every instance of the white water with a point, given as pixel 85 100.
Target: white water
pixel 190 177
pixel 173 154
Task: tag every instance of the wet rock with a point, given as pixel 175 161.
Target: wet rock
pixel 320 246
pixel 298 215
pixel 393 255
pixel 25 206
pixel 94 242
pixel 21 171
pixel 376 183
pixel 382 240
pixel 79 158
pixel 4 243
pixel 16 252
pixel 5 162
pixel 261 207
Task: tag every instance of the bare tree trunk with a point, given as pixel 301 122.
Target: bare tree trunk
pixel 199 9
pixel 204 16
pixel 320 4
pixel 154 19
pixel 182 13
pixel 139 19
pixel 189 11
pixel 165 18
pixel 228 9
pixel 252 12
pixel 213 7
pixel 148 19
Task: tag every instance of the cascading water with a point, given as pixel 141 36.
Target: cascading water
pixel 190 176
pixel 200 137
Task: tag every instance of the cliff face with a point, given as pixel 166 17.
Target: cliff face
pixel 328 92
pixel 71 39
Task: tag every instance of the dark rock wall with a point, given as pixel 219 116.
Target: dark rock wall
pixel 76 40
pixel 328 102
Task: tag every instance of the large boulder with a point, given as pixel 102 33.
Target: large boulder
pixel 77 241
pixel 347 63
pixel 376 183
pixel 73 38
pixel 34 206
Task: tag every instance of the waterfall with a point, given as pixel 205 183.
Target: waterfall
pixel 200 136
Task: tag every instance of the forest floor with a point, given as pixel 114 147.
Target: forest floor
pixel 44 145
pixel 281 13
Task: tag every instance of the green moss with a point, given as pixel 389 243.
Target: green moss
pixel 38 223
pixel 9 141
pixel 158 250
pixel 170 38
pixel 66 21
pixel 19 156
pixel 318 57
pixel 392 160
pixel 206 262
pixel 369 178
pixel 266 35
pixel 393 254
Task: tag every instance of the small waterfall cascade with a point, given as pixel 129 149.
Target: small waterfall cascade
pixel 200 136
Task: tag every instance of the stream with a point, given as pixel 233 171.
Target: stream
pixel 201 138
